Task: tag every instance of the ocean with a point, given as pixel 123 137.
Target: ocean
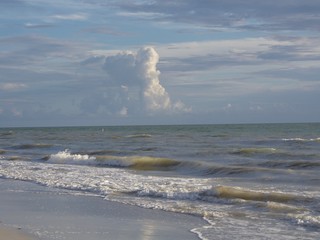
pixel 257 181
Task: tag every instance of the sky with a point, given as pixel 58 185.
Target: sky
pixel 108 62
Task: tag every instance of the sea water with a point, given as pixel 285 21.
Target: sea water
pixel 258 181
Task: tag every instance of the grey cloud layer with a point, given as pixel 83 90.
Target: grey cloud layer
pixel 238 14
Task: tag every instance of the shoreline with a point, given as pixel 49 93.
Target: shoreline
pixel 49 214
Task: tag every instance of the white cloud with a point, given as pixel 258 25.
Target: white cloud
pixel 138 80
pixel 123 112
pixel 72 17
pixel 16 113
pixel 12 86
pixel 245 47
pixel 143 15
pixel 37 25
pixel 155 96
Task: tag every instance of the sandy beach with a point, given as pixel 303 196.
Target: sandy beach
pixel 48 214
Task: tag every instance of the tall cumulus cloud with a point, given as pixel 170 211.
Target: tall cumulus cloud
pixel 136 77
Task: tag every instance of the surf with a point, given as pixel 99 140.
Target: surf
pixel 133 162
pixel 252 150
pixel 251 195
pixel 138 162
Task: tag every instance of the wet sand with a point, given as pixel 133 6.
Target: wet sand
pixel 51 214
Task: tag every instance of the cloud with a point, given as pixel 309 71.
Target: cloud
pixel 104 30
pixel 39 53
pixel 11 3
pixel 138 81
pixel 72 17
pixel 309 74
pixel 38 25
pixel 247 56
pixel 267 15
pixel 12 86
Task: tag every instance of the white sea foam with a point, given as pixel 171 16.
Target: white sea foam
pixel 67 157
pixel 302 139
pixel 307 220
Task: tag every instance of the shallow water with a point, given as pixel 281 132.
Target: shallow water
pixel 259 180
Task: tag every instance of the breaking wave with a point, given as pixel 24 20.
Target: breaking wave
pixel 150 163
pixel 250 151
pixel 134 162
pixel 245 194
pixel 138 162
pixel 143 135
pixel 301 139
pixel 66 157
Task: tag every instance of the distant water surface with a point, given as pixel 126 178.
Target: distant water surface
pixel 258 181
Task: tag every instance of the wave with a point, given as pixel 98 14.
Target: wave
pixel 133 162
pixel 142 135
pixel 100 152
pixel 287 202
pixel 150 163
pixel 2 151
pixel 118 159
pixel 284 208
pixel 138 162
pixel 32 146
pixel 116 152
pixel 251 151
pixel 275 154
pixel 66 157
pixel 15 158
pixel 209 169
pixel 146 149
pixel 291 164
pixel 245 194
pixel 306 220
pixel 8 133
pixel 301 139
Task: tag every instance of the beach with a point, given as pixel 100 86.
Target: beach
pixel 28 209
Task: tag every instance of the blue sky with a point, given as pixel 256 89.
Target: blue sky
pixel 97 62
